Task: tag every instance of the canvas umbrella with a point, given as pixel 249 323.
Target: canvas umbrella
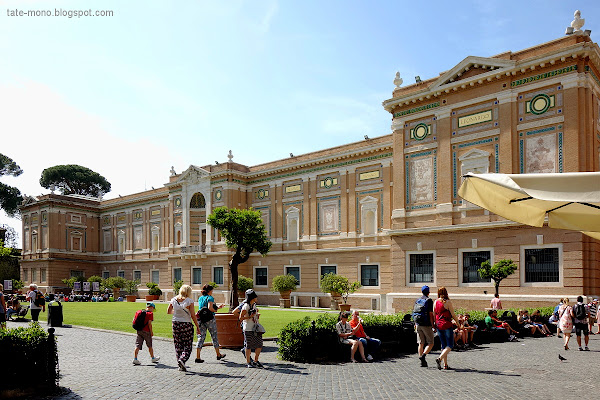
pixel 570 200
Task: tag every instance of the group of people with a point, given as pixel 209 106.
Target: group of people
pixel 11 306
pixel 579 317
pixel 353 333
pixel 185 319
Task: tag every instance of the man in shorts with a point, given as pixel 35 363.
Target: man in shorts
pixel 424 326
pixel 580 322
pixel 145 335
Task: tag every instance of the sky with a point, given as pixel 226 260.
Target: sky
pixel 174 83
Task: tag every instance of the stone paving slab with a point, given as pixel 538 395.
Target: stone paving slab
pixel 97 364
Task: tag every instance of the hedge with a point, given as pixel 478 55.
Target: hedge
pixel 306 340
pixel 31 351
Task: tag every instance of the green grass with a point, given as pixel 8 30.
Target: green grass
pixel 118 316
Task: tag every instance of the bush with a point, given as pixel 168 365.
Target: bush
pixel 283 283
pixel 33 350
pixel 334 283
pixel 176 286
pixel 154 289
pixel 115 282
pixel 244 284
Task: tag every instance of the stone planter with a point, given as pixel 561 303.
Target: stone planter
pixel 344 307
pixel 336 299
pixel 151 297
pixel 229 331
pixel 285 294
pixel 131 298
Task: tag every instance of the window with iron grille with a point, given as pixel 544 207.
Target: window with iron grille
pixel 421 268
pixel 369 275
pixel 471 263
pixel 541 265
pixel 260 277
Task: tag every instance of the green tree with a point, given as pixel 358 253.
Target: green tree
pixel 497 272
pixel 70 282
pixel 244 233
pixel 9 263
pixel 10 197
pixel 75 179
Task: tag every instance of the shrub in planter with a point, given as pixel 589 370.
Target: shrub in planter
pixel 19 347
pixel 284 283
pixel 154 289
pixel 244 284
pixel 334 283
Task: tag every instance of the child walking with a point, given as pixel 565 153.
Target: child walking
pixel 145 334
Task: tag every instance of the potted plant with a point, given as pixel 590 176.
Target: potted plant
pixel 338 284
pixel 131 289
pixel 116 283
pixel 154 291
pixel 244 284
pixel 284 284
pixel 18 285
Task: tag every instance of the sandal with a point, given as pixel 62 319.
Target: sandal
pixel 439 363
pixel 446 367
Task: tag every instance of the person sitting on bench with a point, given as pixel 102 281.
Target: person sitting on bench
pixel 14 308
pixel 346 336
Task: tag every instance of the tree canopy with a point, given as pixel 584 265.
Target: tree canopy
pixel 74 179
pixel 497 272
pixel 10 197
pixel 244 232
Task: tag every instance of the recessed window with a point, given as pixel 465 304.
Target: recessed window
pixel 76 273
pixel 218 275
pixel 176 274
pixel 542 265
pixel 294 271
pixel 328 269
pixel 33 275
pixel 196 276
pixel 43 278
pixel 369 275
pixel 155 276
pixel 121 274
pixel 137 276
pixel 105 274
pixel 471 263
pixel 421 268
pixel 261 276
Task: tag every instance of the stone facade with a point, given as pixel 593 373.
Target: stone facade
pixel 384 211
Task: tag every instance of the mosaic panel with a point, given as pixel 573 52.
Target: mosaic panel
pixel 541 150
pixel 329 218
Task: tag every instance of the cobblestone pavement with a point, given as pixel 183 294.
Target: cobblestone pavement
pixel 97 365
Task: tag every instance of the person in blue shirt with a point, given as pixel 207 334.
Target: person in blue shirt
pixel 208 301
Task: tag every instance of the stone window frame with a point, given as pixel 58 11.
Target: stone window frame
pixel 213 274
pixel 195 267
pixel 368 204
pixel 363 264
pixel 285 269
pixel 292 214
pixel 460 266
pixel 254 268
pixel 561 261
pixel 407 272
pixel 155 242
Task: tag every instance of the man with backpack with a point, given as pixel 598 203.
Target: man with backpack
pixel 580 322
pixel 36 300
pixel 424 324
pixel 142 323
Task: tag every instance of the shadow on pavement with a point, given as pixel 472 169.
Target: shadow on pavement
pixel 480 371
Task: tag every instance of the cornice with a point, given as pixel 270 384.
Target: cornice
pixel 451 228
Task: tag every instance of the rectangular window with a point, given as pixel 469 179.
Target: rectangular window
pixel 541 265
pixel 43 279
pixel 196 276
pixel 471 263
pixel 261 276
pixel 105 274
pixel 421 268
pixel 137 276
pixel 176 274
pixel 328 269
pixel 295 271
pixel 155 276
pixel 369 275
pixel 76 273
pixel 33 275
pixel 218 275
pixel 121 274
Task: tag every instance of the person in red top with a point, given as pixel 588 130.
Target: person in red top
pixel 444 314
pixel 370 344
pixel 145 335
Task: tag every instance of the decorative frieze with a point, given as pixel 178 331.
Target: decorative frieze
pixel 545 75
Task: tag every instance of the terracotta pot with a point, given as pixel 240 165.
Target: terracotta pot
pixel 335 294
pixel 229 330
pixel 285 294
pixel 344 307
pixel 151 297
pixel 131 298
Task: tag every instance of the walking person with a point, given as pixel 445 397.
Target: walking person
pixel 496 304
pixel 593 309
pixel 424 324
pixel 444 314
pixel 35 304
pixel 252 338
pixel 2 308
pixel 145 333
pixel 182 308
pixel 565 314
pixel 208 301
pixel 580 312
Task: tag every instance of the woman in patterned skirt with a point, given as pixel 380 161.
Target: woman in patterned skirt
pixel 253 340
pixel 182 308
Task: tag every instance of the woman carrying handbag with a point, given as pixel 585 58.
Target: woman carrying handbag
pixel 208 301
pixel 253 330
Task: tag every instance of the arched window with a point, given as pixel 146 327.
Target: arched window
pixel 198 201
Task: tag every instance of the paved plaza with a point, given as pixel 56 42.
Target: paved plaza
pixel 97 364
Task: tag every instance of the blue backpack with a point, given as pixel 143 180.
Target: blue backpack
pixel 420 314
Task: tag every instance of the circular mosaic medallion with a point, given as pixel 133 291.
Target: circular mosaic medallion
pixel 328 182
pixel 420 131
pixel 218 195
pixel 539 104
pixel 261 193
pixel 178 202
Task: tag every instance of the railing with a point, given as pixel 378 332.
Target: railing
pixel 193 249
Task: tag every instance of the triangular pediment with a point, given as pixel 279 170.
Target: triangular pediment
pixel 473 66
pixel 27 200
pixel 193 174
pixel 474 154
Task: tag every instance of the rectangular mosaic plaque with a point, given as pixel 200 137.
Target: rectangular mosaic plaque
pixel 155 212
pixel 473 119
pixel 293 188
pixel 368 175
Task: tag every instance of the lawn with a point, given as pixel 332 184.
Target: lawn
pixel 118 316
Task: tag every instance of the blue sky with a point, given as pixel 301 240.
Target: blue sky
pixel 177 83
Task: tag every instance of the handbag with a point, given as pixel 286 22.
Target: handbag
pixel 258 328
pixel 204 315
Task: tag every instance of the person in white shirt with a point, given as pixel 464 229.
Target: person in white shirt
pixel 35 309
pixel 182 308
pixel 252 338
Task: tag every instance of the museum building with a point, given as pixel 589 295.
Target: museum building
pixel 383 211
